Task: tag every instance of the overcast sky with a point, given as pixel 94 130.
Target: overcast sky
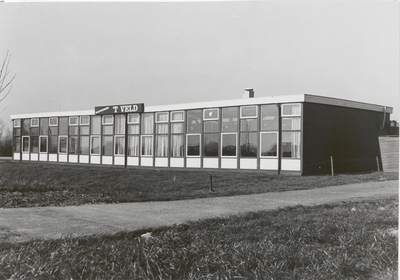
pixel 75 56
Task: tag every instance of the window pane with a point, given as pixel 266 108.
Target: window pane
pixel 269 144
pixel 17 123
pixel 17 131
pixel 62 148
pixel 229 119
pixel 119 124
pixel 211 144
pixel 177 146
pixel 120 145
pixel 133 146
pixel 107 146
pixel 291 109
pixel 193 145
pixel 108 129
pixel 269 117
pixel 147 145
pixel 17 144
pixel 194 121
pixel 248 144
pixel 95 146
pixel 53 144
pixel 162 117
pixel 43 145
pixel 73 130
pixel 133 118
pixel 34 122
pixel 229 144
pixel 133 129
pixel 84 145
pixel 25 126
pixel 211 126
pixel 176 127
pixel 44 126
pixel 35 131
pixel 148 123
pixel 25 144
pixel 162 128
pixel 291 144
pixel 73 145
pixel 53 130
pixel 176 116
pixel 63 126
pixel 84 130
pixel 162 146
pixel 73 120
pixel 53 121
pixel 107 119
pixel 248 111
pixel 96 124
pixel 85 120
pixel 248 125
pixel 290 123
pixel 34 144
pixel 211 114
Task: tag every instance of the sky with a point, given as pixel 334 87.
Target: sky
pixel 75 56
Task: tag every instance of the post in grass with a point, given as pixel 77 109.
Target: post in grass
pixel 332 166
pixel 211 183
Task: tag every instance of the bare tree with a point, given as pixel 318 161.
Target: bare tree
pixel 4 84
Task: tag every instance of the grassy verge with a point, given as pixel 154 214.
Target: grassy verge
pixel 350 240
pixel 35 184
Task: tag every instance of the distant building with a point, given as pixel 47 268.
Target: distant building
pixel 299 134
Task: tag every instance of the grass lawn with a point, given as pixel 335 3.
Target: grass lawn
pixel 38 184
pixel 348 240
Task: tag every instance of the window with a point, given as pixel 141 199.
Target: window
pixel 34 144
pixel 269 117
pixel 107 146
pixel 177 145
pixel 108 129
pixel 248 144
pixel 229 119
pixel 229 144
pixel 194 118
pixel 17 123
pixel 34 122
pixel 248 112
pixel 73 120
pixel 17 144
pixel 95 145
pixel 107 119
pixel 147 145
pixel 133 118
pixel 96 125
pixel 44 126
pixel 119 145
pixel 85 120
pixel 291 110
pixel 17 131
pixel 53 121
pixel 26 127
pixel 84 130
pixel 43 144
pixel 73 130
pixel 193 145
pixel 62 145
pixel 211 114
pixel 291 144
pixel 161 117
pixel 119 124
pixel 177 116
pixel 161 145
pixel 84 145
pixel 25 144
pixel 73 145
pixel 53 144
pixel 63 126
pixel 148 123
pixel 290 123
pixel 211 144
pixel 269 144
pixel 133 146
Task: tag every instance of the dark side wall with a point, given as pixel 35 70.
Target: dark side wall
pixel 349 135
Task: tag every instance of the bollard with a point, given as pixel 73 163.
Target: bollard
pixel 211 184
pixel 332 166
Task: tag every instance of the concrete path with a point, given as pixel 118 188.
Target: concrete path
pixel 22 224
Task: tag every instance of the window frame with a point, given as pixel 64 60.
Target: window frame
pixel 81 118
pixel 91 145
pixel 142 142
pixel 35 125
pixel 222 142
pixel 205 118
pixel 183 116
pixel 187 146
pixel 59 146
pixel 73 124
pixel 54 118
pixel 107 123
pixel 115 142
pixel 22 145
pixel 161 113
pixel 248 117
pixel 17 123
pixel 277 143
pixel 133 122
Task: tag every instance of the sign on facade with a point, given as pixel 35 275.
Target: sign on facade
pixel 119 109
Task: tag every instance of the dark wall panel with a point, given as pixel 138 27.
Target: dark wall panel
pixel 349 135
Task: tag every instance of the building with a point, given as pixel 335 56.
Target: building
pixel 300 134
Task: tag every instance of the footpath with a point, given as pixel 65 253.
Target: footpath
pixel 23 224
